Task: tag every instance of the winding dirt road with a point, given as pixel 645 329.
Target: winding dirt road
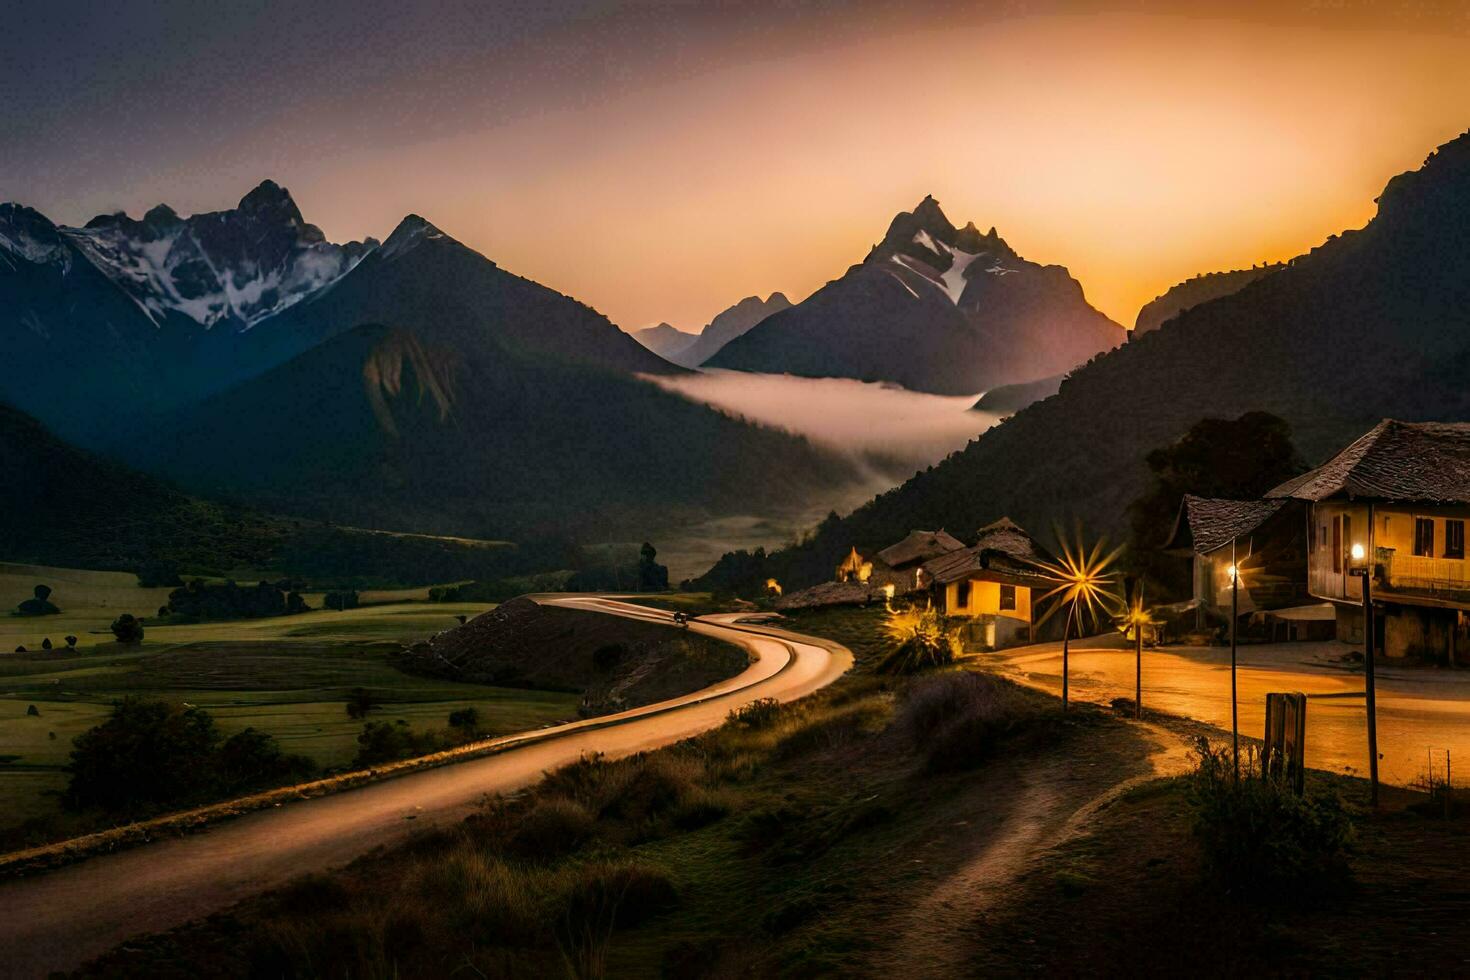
pixel 58 920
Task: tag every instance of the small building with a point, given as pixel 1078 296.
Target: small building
pixel 1401 495
pixel 1266 539
pixel 991 586
pixel 902 565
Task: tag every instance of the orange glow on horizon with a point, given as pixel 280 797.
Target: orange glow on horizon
pixel 1135 149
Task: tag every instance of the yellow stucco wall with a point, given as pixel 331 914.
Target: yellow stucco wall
pixel 985 601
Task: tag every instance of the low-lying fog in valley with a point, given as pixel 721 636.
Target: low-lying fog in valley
pixel 896 430
pixel 892 431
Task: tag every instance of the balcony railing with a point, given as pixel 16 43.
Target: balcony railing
pixel 1423 574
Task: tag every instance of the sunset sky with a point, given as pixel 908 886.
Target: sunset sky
pixel 659 161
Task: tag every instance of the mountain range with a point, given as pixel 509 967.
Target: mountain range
pixel 413 385
pixel 933 308
pixel 692 350
pixel 1372 324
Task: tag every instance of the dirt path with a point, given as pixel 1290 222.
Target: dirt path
pixel 1053 803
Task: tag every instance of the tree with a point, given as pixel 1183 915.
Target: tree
pixel 45 643
pixel 652 577
pixel 39 604
pixel 360 701
pixel 346 599
pixel 146 753
pixel 71 642
pixel 1236 459
pixel 128 628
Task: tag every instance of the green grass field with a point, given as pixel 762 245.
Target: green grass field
pixel 288 676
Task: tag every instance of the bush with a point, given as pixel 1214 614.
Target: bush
pixel 957 718
pixel 467 720
pixel 346 599
pixel 382 741
pixel 360 702
pixel 919 641
pixel 128 629
pixel 758 714
pixel 149 754
pixel 39 604
pixel 146 753
pixel 1262 840
pixel 554 827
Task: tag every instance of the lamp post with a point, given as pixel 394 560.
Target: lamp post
pixel 1138 618
pixel 1066 643
pixel 1361 566
pixel 1234 573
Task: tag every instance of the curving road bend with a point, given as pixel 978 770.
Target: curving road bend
pixel 59 920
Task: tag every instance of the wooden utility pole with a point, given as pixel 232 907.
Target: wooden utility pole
pixel 1234 702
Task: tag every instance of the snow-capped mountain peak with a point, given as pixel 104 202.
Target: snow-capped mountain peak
pixel 235 267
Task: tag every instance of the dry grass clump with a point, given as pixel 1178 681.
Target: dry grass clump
pixel 957 718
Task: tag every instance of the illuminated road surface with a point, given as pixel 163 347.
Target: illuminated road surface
pixel 58 920
pixel 1419 708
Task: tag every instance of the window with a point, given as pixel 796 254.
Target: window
pixel 1424 537
pixel 1454 539
pixel 962 595
pixel 1007 598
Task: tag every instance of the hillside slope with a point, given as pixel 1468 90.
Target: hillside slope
pixel 1194 291
pixel 1371 324
pixel 451 397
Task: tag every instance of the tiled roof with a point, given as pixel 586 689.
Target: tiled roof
pixel 1003 550
pixel 1205 523
pixel 1419 461
pixel 919 546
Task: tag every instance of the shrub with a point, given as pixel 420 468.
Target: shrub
pixel 71 642
pixel 252 759
pixel 39 604
pixel 382 741
pixel 700 808
pixel 343 600
pixel 957 718
pixel 1261 839
pixel 360 702
pixel 146 753
pixel 467 720
pixel 554 827
pixel 32 711
pixel 128 629
pixel 918 641
pixel 758 714
pixel 830 728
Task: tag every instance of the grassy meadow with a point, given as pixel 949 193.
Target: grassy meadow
pixel 288 676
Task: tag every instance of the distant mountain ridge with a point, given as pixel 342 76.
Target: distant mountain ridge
pixel 934 308
pixel 736 321
pixel 665 340
pixel 1196 290
pixel 1371 324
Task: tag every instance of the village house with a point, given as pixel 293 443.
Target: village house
pixel 1266 541
pixel 991 586
pixel 1393 505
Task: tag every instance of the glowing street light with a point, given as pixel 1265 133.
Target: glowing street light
pixel 1360 566
pixel 1084 586
pixel 1234 572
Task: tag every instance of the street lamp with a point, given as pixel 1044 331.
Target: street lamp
pixel 1083 585
pixel 1234 574
pixel 1360 566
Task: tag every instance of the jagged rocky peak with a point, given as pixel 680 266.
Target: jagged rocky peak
pixel 28 234
pixel 236 266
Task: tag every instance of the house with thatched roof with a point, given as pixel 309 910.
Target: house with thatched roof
pixel 991 586
pixel 1266 540
pixel 1393 506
